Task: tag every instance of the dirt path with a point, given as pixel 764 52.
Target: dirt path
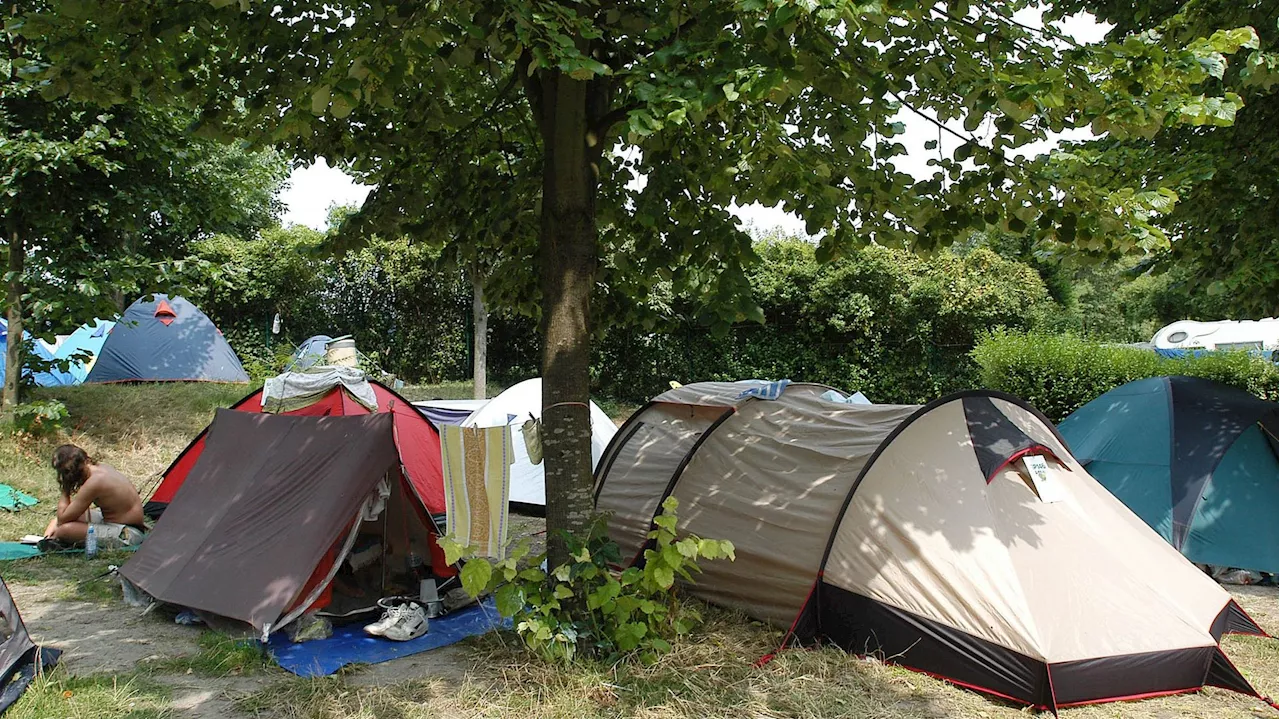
pixel 100 638
pixel 113 638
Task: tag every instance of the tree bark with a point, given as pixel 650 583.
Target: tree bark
pixel 567 266
pixel 479 339
pixel 13 311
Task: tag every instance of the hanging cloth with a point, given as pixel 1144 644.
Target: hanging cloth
pixel 531 430
pixel 477 486
pixel 292 390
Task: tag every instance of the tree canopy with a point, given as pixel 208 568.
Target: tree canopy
pixel 1224 224
pixel 99 204
pixel 716 102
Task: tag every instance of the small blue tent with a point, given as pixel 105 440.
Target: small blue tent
pixel 88 338
pixel 310 353
pixel 1194 459
pixel 164 339
pixel 54 377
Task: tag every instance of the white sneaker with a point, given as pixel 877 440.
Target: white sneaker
pixel 389 617
pixel 410 623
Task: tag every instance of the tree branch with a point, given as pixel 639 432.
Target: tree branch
pixel 940 125
pixel 609 119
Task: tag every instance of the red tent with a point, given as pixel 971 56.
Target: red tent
pixel 417 443
pixel 416 439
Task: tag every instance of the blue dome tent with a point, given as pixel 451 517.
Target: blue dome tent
pixel 1195 459
pixel 164 339
pixel 54 377
pixel 310 353
pixel 87 338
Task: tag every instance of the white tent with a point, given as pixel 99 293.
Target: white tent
pixel 513 407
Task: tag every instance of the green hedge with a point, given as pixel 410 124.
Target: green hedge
pixel 1059 374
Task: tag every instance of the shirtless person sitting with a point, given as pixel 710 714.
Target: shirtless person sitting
pixel 85 483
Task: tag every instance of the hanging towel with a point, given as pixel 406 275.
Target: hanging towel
pixel 477 485
pixel 766 390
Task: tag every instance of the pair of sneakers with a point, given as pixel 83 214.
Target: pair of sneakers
pixel 400 622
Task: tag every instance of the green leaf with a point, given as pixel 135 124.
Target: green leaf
pixel 664 577
pixel 628 635
pixel 508 599
pixel 341 105
pixel 688 547
pixel 320 100
pixel 475 576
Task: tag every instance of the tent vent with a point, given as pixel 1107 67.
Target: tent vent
pixel 165 313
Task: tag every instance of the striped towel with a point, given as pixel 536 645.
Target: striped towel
pixel 477 484
pixel 766 390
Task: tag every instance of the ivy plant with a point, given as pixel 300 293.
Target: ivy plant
pixel 585 607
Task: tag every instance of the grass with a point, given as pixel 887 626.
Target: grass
pixel 712 676
pixel 77 578
pixel 445 390
pixel 220 655
pixel 58 694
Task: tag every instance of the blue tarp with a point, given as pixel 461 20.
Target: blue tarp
pixel 350 645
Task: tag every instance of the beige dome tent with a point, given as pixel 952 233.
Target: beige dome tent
pixel 933 536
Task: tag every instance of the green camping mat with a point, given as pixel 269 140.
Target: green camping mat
pixel 17 550
pixel 13 500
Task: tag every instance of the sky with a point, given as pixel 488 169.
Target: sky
pixel 313 189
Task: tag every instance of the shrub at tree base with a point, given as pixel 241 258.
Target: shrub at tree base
pixel 1059 374
pixel 584 608
pixel 39 419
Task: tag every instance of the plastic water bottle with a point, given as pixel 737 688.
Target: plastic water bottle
pixel 91 543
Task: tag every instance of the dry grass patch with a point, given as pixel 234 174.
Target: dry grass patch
pixel 139 429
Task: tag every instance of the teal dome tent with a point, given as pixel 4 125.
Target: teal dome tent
pixel 1195 459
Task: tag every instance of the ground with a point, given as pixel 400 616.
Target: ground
pixel 121 662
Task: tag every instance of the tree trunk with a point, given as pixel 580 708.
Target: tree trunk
pixel 567 267
pixel 13 311
pixel 479 339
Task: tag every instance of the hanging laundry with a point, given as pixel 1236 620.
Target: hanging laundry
pixel 477 485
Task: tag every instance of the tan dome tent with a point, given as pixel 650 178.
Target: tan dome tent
pixel 924 535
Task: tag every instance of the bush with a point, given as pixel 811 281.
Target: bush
pixel 584 608
pixel 41 418
pixel 891 323
pixel 1060 373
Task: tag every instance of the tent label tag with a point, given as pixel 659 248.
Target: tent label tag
pixel 1038 470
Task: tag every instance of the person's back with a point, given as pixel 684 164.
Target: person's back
pixel 115 495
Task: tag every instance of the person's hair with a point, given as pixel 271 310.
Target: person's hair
pixel 72 465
